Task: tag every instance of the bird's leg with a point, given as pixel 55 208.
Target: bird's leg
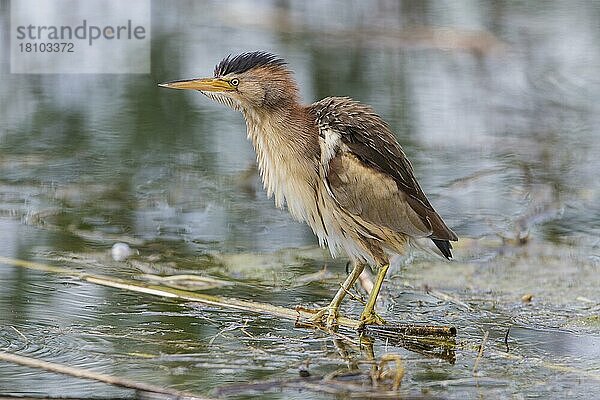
pixel 332 309
pixel 368 316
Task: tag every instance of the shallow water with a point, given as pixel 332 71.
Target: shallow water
pixel 496 106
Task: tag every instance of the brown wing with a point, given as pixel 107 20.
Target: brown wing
pixel 370 176
pixel 373 196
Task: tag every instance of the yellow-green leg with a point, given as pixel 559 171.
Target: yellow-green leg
pixel 333 308
pixel 368 316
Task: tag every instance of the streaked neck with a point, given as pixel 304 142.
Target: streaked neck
pixel 287 148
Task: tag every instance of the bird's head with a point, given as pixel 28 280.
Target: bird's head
pixel 247 82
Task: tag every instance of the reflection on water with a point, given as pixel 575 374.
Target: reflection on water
pixel 496 105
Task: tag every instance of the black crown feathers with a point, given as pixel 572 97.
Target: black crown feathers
pixel 246 61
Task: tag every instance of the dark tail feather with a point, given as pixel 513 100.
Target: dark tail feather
pixel 444 246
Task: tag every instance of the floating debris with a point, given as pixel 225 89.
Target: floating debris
pixel 526 298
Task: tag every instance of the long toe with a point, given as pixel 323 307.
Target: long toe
pixel 325 317
pixel 332 315
pixel 371 319
pixel 317 319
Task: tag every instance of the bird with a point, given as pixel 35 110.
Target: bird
pixel 335 164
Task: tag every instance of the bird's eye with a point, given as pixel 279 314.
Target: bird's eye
pixel 234 82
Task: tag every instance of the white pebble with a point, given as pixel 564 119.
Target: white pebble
pixel 122 251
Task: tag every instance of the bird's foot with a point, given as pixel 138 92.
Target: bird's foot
pixel 323 317
pixel 371 318
pixel 328 315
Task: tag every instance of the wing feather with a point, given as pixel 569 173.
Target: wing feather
pixel 373 196
pixel 369 175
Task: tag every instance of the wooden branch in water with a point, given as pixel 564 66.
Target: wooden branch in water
pixel 87 374
pixel 411 330
pixel 298 314
pixel 164 291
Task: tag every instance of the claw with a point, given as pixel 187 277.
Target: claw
pixel 371 318
pixel 332 315
pixel 330 321
pixel 332 310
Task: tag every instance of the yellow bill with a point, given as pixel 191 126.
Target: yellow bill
pixel 204 84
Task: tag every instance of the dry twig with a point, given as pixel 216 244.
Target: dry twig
pixel 480 353
pixel 87 374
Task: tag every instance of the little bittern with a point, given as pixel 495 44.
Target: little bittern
pixel 334 163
